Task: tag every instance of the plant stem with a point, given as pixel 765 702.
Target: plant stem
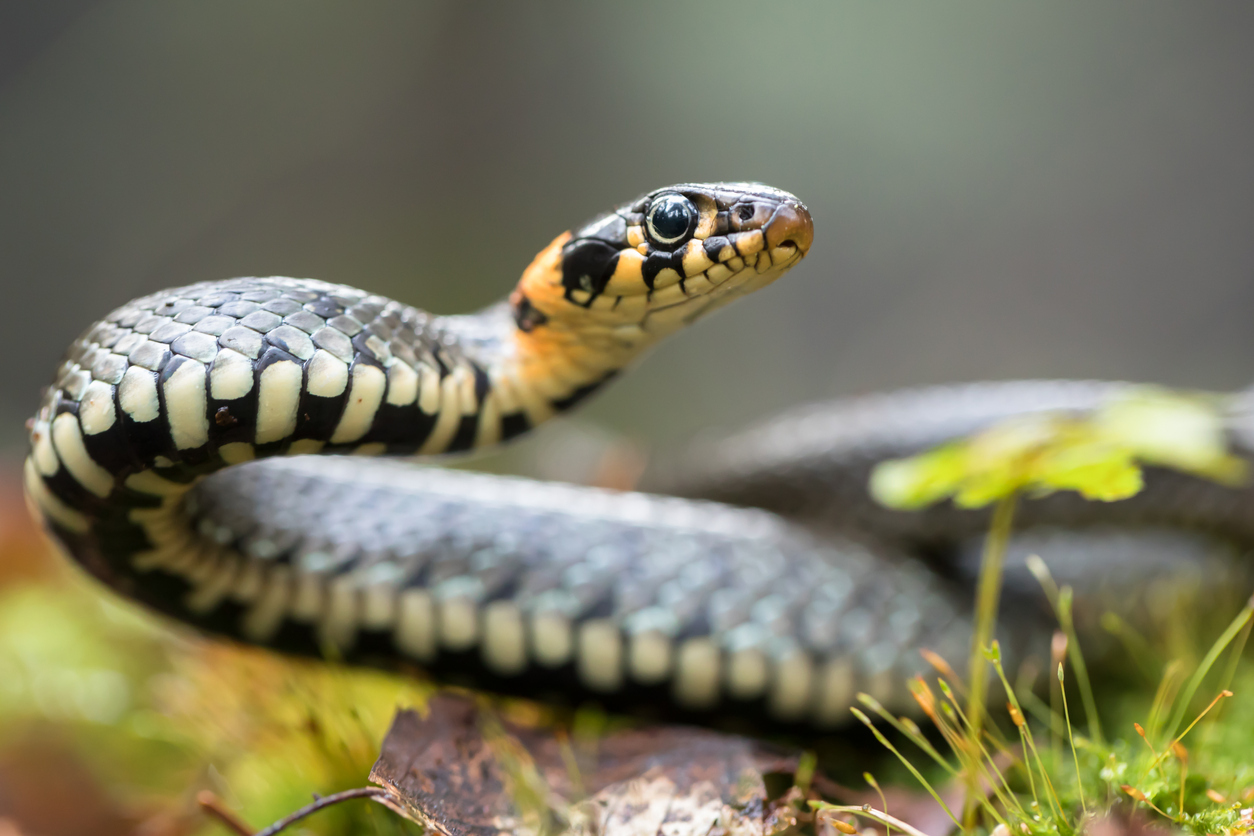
pixel 1066 713
pixel 987 598
pixel 871 813
pixel 1237 625
pixel 1235 656
pixel 866 721
pixel 1076 656
pixel 908 729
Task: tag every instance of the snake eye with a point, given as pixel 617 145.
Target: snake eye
pixel 670 218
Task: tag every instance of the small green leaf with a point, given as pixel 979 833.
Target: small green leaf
pixel 1098 455
pixel 1176 430
pixel 919 481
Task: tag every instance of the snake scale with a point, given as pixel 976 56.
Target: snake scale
pixel 758 581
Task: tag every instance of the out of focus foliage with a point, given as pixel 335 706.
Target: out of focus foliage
pixel 1016 781
pixel 1098 455
pixel 111 720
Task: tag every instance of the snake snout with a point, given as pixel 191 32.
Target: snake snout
pixel 791 225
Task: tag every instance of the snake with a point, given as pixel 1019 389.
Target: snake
pixel 173 458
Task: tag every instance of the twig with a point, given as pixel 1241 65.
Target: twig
pixel 213 806
pixel 377 793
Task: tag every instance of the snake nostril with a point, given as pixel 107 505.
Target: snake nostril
pixel 745 212
pixel 791 224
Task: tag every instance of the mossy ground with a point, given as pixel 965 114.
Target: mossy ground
pixel 1177 749
pixel 1204 783
pixel 155 716
pixel 151 715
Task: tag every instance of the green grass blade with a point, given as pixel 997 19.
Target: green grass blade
pixel 1190 690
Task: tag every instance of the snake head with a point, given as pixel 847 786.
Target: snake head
pixel 664 259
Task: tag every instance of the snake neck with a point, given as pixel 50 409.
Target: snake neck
pixel 538 354
pixel 173 387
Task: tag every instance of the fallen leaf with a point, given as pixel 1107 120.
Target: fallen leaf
pixel 459 774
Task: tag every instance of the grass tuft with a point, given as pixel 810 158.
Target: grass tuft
pixel 1033 788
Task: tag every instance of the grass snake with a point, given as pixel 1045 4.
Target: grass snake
pixel 756 581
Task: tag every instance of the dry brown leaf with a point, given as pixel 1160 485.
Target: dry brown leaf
pixel 459 776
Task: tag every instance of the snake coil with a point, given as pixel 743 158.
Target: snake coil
pixel 167 459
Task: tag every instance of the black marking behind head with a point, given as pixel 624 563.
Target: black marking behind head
pixel 587 264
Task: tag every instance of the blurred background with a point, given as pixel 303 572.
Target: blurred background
pixel 1062 189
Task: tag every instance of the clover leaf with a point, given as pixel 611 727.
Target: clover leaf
pixel 1099 454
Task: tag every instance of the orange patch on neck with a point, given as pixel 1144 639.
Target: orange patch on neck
pixel 557 356
pixel 541 282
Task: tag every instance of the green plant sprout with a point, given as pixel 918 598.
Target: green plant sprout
pixel 1100 455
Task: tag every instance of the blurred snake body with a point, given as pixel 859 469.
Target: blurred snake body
pixel 639 601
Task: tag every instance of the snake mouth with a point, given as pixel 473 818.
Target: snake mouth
pixel 709 293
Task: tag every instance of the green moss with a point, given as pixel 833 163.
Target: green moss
pixel 1181 753
pixel 157 715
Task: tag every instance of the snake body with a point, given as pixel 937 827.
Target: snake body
pixel 680 603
